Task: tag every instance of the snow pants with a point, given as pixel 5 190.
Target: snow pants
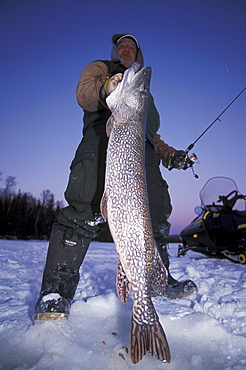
pixel 67 250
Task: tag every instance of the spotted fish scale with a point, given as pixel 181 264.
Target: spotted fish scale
pixel 125 206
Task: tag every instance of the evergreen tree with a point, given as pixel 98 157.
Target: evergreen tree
pixel 22 216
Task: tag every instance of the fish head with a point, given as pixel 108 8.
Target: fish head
pixel 131 95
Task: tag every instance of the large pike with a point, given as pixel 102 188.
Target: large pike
pixel 125 206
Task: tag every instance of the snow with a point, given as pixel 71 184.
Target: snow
pixel 206 330
pixel 50 297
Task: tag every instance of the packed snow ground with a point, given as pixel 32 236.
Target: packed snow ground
pixel 206 330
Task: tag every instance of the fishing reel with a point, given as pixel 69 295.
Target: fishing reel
pixel 189 161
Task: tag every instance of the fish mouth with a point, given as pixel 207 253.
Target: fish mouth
pixel 135 83
pixel 136 76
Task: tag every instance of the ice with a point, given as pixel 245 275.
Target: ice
pixel 206 330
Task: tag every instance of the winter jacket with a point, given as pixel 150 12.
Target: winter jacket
pixel 96 111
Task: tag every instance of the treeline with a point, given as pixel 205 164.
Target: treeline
pixel 24 217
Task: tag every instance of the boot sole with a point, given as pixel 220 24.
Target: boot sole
pixel 175 296
pixel 182 295
pixel 50 316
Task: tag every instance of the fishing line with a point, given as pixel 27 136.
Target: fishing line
pixel 216 119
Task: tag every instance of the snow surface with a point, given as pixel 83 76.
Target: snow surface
pixel 206 330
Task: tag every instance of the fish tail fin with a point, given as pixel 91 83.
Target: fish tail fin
pixel 149 338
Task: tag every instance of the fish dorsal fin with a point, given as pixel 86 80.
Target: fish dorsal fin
pixel 159 277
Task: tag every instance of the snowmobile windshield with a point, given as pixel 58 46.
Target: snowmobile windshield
pixel 218 187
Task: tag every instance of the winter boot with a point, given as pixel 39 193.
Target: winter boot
pixel 175 289
pixel 67 250
pixel 52 307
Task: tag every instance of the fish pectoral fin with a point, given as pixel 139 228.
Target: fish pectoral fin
pixel 123 285
pixel 103 206
pixel 148 338
pixel 115 121
pixel 110 125
pixel 159 277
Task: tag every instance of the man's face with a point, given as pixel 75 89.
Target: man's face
pixel 127 51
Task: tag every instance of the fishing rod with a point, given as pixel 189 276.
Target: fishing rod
pixel 190 160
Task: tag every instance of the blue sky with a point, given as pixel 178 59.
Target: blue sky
pixel 196 49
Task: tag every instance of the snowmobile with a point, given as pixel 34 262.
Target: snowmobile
pixel 219 230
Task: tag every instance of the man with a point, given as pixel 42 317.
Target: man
pixel 81 221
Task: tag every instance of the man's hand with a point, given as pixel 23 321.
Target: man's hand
pixel 111 83
pixel 178 158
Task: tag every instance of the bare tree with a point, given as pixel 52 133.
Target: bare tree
pixel 10 184
pixel 46 196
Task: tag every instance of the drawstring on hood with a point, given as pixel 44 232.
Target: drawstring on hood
pixel 114 53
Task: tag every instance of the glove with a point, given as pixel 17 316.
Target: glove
pixel 111 83
pixel 177 159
